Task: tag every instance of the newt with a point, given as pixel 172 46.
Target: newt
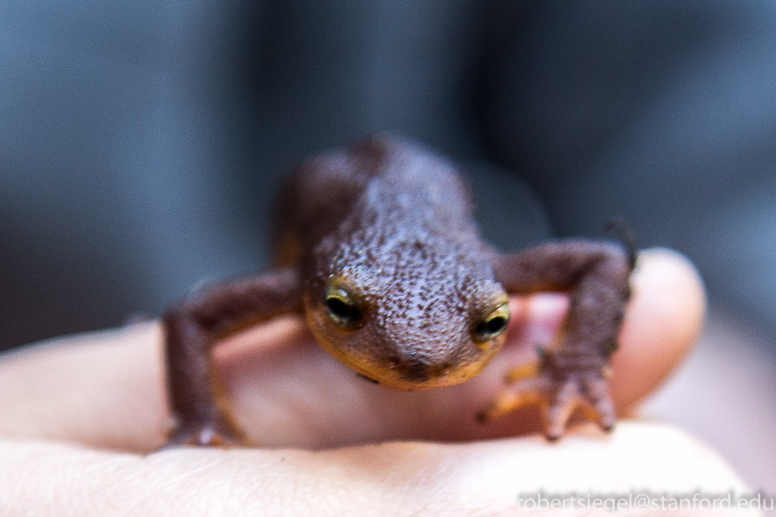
pixel 377 248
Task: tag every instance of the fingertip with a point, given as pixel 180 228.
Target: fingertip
pixel 663 321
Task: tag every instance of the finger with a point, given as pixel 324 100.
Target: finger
pixel 663 322
pixel 107 389
pixel 482 478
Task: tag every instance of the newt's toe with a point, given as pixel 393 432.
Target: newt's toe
pixel 563 398
pixel 586 390
pixel 523 391
pixel 219 433
pixel 597 391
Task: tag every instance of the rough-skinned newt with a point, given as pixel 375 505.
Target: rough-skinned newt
pixel 377 248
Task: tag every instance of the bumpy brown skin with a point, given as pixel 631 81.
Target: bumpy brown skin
pixel 391 224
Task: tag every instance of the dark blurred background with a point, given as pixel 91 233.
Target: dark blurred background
pixel 141 142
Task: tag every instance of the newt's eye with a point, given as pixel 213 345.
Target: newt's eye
pixel 342 308
pixel 492 325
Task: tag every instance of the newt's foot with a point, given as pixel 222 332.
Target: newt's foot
pixel 219 433
pixel 562 391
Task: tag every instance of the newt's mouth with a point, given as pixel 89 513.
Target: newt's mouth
pixel 412 375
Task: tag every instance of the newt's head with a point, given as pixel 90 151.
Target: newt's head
pixel 412 313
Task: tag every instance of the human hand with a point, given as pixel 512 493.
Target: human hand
pixel 79 413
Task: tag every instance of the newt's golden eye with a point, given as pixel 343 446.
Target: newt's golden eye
pixel 343 309
pixel 492 325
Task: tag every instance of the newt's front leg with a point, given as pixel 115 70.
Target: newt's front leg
pixel 573 370
pixel 193 325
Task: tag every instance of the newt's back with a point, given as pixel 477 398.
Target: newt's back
pixel 384 187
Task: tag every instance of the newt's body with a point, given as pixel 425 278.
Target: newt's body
pixel 377 247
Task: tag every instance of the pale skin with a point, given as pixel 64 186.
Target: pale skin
pixel 80 416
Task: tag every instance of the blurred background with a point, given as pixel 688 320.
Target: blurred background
pixel 141 142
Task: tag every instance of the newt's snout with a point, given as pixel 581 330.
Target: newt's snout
pixel 418 369
pixel 411 369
